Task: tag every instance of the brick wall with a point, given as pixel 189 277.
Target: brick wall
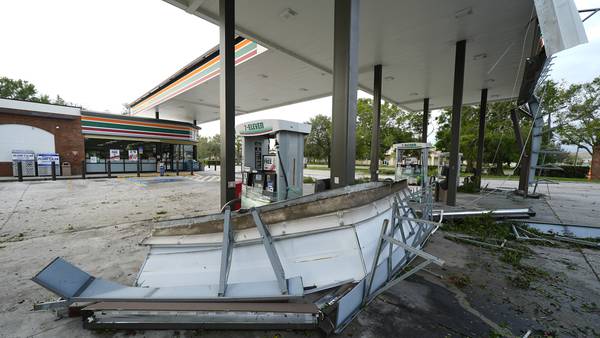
pixel 68 139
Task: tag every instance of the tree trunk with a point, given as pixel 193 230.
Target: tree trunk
pixel 595 166
pixel 498 169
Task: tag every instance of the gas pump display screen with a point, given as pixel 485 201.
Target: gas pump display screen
pixel 257 154
pixel 270 163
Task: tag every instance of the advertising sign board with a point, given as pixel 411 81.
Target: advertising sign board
pixel 22 155
pixel 46 159
pixel 133 155
pixel 115 154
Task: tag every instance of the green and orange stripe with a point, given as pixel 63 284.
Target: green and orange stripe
pixel 244 50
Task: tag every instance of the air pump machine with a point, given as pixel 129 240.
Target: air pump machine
pixel 272 160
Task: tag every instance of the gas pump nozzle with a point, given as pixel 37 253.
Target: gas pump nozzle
pixel 287 186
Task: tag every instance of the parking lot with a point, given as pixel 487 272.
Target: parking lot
pixel 97 224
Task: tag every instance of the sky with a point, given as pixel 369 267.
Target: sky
pixel 102 54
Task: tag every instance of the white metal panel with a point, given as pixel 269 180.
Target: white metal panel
pixel 325 250
pixel 560 24
pixel 368 236
pixel 322 259
pixel 414 41
pixel 178 268
pixel 23 137
pixel 36 107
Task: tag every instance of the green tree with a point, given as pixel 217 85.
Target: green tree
pixel 20 90
pixel 209 148
pixel 25 91
pixel 318 142
pixel 396 126
pixel 238 148
pixel 579 119
pixel 500 146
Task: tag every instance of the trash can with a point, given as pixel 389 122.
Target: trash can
pixel 66 169
pixel 161 169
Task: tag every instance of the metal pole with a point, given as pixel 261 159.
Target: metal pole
pixel 177 159
pixel 374 168
pixel 481 138
pixel 516 129
pixel 425 120
pixel 20 171
pixel 345 86
pixel 83 169
pixel 156 113
pixel 227 98
pixel 53 170
pixel 108 169
pixel 536 137
pixel 457 97
pixel 138 165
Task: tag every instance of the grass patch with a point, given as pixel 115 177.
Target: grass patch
pixel 519 281
pixel 308 179
pixel 511 257
pixel 459 280
pixel 484 226
pixel 590 307
pixel 524 274
pixel 362 180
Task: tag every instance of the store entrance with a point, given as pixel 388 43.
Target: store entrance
pixel 127 153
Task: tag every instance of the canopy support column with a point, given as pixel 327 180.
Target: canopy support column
pixel 457 97
pixel 374 168
pixel 516 128
pixel 481 138
pixel 227 98
pixel 424 131
pixel 345 86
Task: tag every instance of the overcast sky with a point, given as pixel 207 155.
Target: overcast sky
pixel 101 54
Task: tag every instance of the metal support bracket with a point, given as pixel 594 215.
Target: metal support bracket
pixel 428 259
pixel 405 211
pixel 271 252
pixel 416 251
pixel 423 221
pixel 59 304
pixel 375 260
pixel 225 252
pixel 398 222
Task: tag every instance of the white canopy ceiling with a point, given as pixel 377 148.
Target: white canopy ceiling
pixel 414 40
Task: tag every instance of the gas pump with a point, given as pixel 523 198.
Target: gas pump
pixel 413 169
pixel 272 160
pixel 443 167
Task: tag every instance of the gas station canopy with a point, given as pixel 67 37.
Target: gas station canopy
pixel 413 40
pixel 266 79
